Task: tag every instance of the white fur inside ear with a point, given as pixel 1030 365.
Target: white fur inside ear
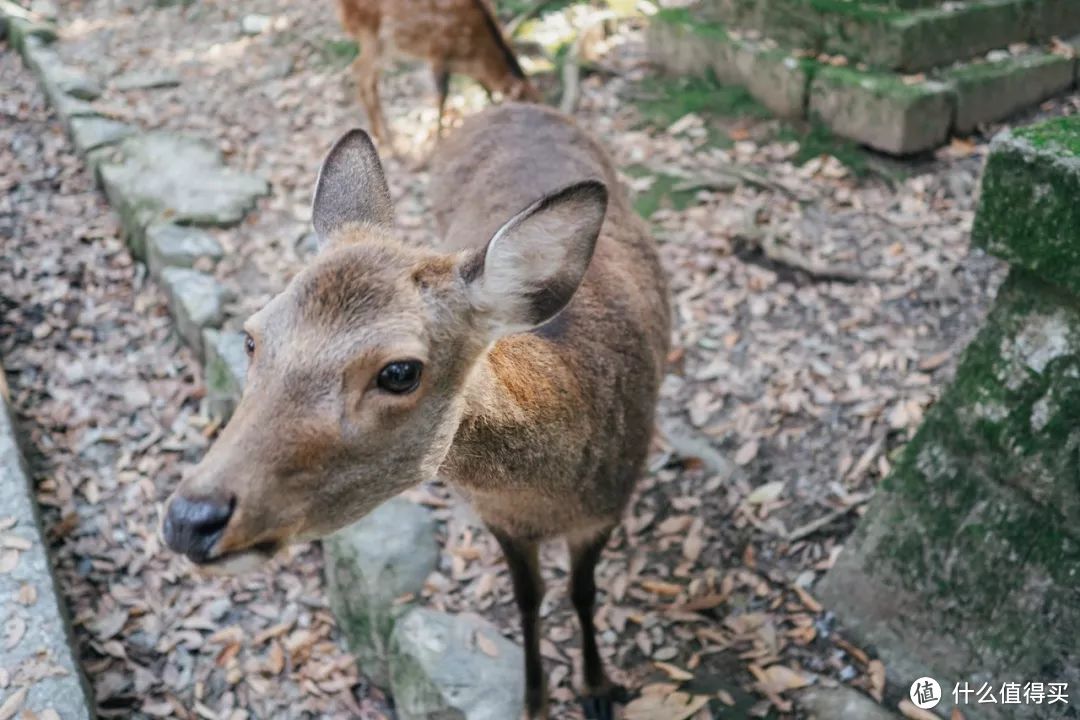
pixel 535 262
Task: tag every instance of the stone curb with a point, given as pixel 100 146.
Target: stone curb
pixel 168 189
pixel 883 110
pixel 43 668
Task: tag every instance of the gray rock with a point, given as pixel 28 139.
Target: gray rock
pixel 59 80
pixel 20 28
pixel 992 91
pixel 370 565
pixel 43 623
pixel 840 703
pixel 91 133
pixel 169 245
pixel 145 80
pixel 881 111
pixel 440 667
pixel 162 176
pixel 255 24
pixel 226 365
pixel 196 301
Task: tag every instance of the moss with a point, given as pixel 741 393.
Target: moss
pixel 338 52
pixel 877 83
pixel 816 140
pixel 661 193
pixel 1060 135
pixel 1028 214
pixel 662 101
pixel 979 516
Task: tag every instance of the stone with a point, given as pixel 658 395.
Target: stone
pixel 454 667
pixel 991 91
pixel 92 133
pixel 18 29
pixel 839 703
pixel 45 631
pixel 45 62
pixel 145 80
pixel 1056 18
pixel 170 245
pixel 370 566
pixel 163 176
pixel 196 301
pixel 881 110
pixel 967 565
pixel 225 367
pixel 255 24
pixel 1028 214
pixel 684 45
pixel 776 79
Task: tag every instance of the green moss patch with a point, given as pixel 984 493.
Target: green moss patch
pixel 1029 214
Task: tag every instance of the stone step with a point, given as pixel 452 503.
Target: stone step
pixel 905 35
pixel 887 111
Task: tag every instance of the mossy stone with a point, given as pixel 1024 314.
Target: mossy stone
pixel 1029 214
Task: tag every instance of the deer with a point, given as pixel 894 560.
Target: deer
pixel 518 358
pixel 453 36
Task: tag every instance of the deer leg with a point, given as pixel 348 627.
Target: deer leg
pixel 522 557
pixel 601 694
pixel 366 70
pixel 442 86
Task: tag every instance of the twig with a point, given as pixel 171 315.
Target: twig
pixel 814 525
pixel 571 69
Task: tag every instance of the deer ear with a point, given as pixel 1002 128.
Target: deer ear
pixel 534 264
pixel 351 187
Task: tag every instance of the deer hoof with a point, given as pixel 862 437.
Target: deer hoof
pixel 601 706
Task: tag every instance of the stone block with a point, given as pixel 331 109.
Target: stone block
pixel 163 176
pixel 991 91
pixel 196 301
pixel 881 110
pixel 93 133
pixel 225 367
pixel 1028 213
pixel 42 666
pixel 454 666
pixel 967 566
pixel 169 245
pixel 370 566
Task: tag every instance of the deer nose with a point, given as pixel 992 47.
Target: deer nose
pixel 193 527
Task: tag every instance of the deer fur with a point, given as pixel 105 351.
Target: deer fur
pixel 454 36
pixel 542 321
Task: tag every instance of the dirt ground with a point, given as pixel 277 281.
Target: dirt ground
pixel 819 310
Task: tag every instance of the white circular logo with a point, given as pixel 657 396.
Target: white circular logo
pixel 925 693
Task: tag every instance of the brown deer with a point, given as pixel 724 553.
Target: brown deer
pixel 519 361
pixel 455 36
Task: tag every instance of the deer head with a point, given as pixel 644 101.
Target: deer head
pixel 360 370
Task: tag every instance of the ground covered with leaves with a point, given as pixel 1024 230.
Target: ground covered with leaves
pixel 821 296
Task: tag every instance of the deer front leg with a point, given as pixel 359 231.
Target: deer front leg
pixel 366 71
pixel 601 694
pixel 522 557
pixel 442 86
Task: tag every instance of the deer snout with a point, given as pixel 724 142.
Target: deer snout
pixel 194 526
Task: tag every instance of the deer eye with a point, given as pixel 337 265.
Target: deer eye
pixel 400 377
pixel 249 344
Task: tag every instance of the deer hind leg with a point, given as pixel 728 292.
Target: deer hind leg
pixel 522 557
pixel 598 701
pixel 366 69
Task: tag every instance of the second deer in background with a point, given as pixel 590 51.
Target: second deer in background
pixel 454 36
